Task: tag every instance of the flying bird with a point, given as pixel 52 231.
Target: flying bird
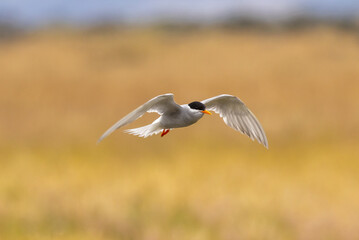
pixel 233 111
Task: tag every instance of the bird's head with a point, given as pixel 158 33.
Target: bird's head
pixel 199 107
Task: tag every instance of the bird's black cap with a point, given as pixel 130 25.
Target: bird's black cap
pixel 197 105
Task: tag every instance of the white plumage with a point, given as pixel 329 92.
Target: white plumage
pixel 233 111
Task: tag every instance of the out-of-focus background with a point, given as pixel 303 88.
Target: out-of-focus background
pixel 70 69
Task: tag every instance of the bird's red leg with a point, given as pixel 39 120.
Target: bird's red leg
pixel 164 132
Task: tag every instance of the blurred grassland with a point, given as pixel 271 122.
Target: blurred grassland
pixel 61 89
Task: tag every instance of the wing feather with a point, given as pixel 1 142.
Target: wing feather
pixel 159 104
pixel 237 116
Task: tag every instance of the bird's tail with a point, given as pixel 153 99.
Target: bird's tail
pixel 145 131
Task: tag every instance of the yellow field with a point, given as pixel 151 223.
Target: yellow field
pixel 60 90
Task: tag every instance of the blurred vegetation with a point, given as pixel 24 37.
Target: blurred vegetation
pixel 62 88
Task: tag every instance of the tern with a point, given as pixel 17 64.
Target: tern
pixel 233 111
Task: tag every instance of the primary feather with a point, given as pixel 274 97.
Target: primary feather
pixel 237 116
pixel 159 104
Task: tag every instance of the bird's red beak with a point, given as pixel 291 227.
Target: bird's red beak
pixel 207 112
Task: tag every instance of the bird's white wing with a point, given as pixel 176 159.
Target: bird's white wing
pixel 159 104
pixel 236 115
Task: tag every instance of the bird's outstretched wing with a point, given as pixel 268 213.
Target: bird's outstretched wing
pixel 236 115
pixel 159 104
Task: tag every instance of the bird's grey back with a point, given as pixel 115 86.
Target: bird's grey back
pixel 182 117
